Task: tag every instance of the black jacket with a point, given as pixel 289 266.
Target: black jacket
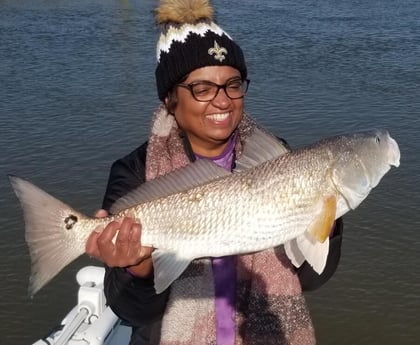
pixel 134 299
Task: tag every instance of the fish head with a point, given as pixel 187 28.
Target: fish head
pixel 362 159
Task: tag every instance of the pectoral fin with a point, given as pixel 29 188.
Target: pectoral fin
pixel 313 245
pixel 168 266
pixel 321 226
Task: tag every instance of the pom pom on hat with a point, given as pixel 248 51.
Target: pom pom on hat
pixel 189 40
pixel 183 11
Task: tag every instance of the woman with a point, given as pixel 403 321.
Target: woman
pixel 201 78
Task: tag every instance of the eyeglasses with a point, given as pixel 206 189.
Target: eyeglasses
pixel 206 91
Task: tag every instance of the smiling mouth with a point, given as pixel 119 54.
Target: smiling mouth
pixel 218 117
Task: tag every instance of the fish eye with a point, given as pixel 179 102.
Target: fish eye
pixel 377 139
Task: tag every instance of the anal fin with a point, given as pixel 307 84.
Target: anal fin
pixel 168 266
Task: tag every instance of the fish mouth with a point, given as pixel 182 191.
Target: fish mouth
pixel 395 153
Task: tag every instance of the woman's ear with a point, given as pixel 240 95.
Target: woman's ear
pixel 170 102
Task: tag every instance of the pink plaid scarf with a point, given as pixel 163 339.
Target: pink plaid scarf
pixel 270 307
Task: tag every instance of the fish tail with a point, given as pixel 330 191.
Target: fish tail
pixel 50 232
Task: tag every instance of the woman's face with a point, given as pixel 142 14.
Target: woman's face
pixel 209 125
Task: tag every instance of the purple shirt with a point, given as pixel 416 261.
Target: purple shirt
pixel 224 270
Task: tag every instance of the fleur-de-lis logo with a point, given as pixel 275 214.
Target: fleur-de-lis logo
pixel 218 52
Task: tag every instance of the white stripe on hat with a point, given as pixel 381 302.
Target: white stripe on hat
pixel 180 34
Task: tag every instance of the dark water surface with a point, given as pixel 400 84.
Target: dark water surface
pixel 77 92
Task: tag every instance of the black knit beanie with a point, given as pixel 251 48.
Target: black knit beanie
pixel 190 39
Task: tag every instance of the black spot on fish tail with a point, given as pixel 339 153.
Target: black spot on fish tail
pixel 70 221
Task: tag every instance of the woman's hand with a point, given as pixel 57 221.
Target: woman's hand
pixel 127 250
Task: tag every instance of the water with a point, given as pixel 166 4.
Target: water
pixel 77 92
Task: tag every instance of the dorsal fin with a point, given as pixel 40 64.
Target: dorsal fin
pixel 259 148
pixel 194 174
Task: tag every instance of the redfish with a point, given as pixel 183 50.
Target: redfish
pixel 272 198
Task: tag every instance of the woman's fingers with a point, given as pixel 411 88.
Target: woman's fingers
pixel 118 243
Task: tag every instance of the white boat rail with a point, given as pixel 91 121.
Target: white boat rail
pixel 91 321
